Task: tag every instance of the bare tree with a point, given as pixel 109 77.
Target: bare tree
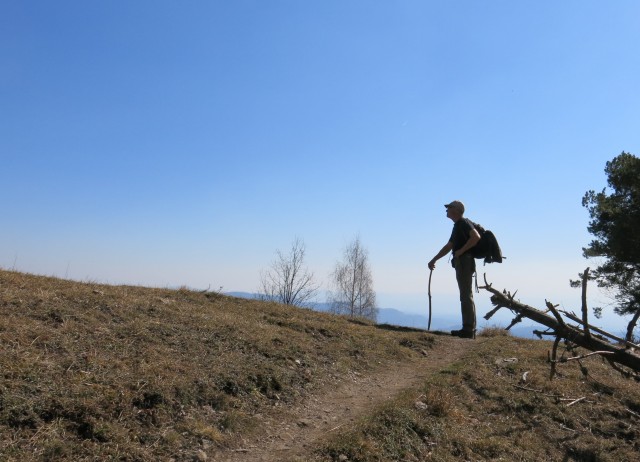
pixel 353 292
pixel 288 281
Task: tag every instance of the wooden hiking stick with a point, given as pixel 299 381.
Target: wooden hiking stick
pixel 429 324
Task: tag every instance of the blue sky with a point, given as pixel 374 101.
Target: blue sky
pixel 182 143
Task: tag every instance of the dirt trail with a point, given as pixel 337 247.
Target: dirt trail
pixel 293 435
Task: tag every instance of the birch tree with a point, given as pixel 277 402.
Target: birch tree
pixel 353 293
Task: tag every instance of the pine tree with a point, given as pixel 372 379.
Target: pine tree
pixel 615 223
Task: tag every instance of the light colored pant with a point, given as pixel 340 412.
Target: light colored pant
pixel 465 267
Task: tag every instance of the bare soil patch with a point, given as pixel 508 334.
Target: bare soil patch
pixel 292 435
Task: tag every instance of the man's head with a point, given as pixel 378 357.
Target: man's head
pixel 455 210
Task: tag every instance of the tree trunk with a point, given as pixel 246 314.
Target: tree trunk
pixel 585 310
pixel 632 325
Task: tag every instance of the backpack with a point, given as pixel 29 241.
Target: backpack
pixel 487 247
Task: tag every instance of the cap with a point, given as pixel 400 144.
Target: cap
pixel 457 205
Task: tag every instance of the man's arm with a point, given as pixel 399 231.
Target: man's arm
pixel 474 237
pixel 445 250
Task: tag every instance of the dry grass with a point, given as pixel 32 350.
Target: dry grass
pixel 499 404
pixel 95 372
pixel 494 331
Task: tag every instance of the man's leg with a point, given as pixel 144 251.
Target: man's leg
pixel 465 267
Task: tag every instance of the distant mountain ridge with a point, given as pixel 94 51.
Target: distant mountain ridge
pixel 385 315
pixel 398 317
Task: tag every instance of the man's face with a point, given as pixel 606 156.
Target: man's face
pixel 452 214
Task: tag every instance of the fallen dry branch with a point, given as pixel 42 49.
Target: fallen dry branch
pixel 575 318
pixel 635 414
pixel 578 358
pixel 556 397
pixel 576 401
pixel 574 336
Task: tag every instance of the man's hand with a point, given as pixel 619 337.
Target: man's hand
pixel 445 250
pixel 458 253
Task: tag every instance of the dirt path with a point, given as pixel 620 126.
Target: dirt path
pixel 292 436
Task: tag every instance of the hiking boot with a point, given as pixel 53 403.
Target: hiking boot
pixel 464 333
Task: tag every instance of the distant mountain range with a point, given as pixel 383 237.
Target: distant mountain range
pixel 397 317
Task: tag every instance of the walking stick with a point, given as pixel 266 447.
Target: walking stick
pixel 429 325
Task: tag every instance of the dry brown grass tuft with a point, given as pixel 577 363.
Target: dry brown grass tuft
pixel 97 372
pixel 494 331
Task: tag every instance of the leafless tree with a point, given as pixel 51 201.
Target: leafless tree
pixel 287 280
pixel 353 293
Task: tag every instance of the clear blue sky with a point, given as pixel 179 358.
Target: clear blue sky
pixel 169 143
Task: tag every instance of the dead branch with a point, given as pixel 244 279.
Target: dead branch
pixel 533 390
pixel 492 312
pixel 549 395
pixel 553 310
pixel 615 354
pixel 515 321
pixel 540 333
pixel 632 413
pixel 576 401
pixel 577 358
pixel 575 318
pixel 554 355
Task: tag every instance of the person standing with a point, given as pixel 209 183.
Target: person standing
pixel 463 237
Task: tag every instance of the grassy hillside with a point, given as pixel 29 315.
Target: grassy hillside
pixel 499 404
pixel 95 372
